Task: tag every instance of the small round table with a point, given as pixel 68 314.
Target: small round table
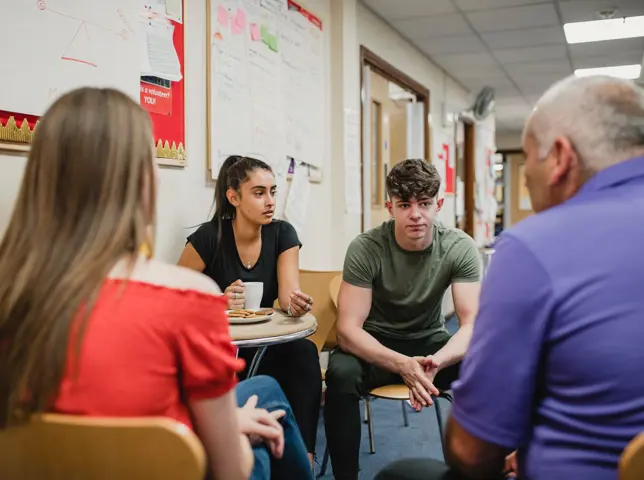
pixel 279 329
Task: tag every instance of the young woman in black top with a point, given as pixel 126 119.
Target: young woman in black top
pixel 243 243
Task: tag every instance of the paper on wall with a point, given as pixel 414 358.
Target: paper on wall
pixel 352 173
pixel 280 169
pixel 162 60
pixel 157 7
pixel 174 10
pixel 460 198
pixel 298 198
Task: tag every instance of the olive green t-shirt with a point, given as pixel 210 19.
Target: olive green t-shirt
pixel 408 286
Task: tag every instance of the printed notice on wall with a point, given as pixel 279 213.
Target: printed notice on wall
pixel 352 173
pixel 298 198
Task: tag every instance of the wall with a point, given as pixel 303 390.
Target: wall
pixel 375 34
pixel 185 195
pixel 508 140
pixel 517 189
pixel 393 141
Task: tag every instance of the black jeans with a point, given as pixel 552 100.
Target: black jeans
pixel 348 379
pixel 296 367
pixel 421 469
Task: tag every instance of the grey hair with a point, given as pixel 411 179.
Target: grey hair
pixel 603 117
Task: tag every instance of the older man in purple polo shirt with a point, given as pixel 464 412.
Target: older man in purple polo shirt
pixel 554 368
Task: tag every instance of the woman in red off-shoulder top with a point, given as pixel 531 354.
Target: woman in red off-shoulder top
pixel 90 326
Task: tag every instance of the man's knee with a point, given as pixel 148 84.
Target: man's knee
pixel 344 374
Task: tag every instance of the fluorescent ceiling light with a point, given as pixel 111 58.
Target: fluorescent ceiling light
pixel 600 30
pixel 630 72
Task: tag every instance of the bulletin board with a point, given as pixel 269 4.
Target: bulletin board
pixel 266 83
pixel 75 43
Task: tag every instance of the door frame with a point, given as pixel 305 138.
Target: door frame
pixel 385 69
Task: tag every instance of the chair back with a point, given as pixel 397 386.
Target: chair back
pixel 631 462
pixel 334 289
pixel 64 447
pixel 316 284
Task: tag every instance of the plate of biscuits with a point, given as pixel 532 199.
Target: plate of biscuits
pixel 241 317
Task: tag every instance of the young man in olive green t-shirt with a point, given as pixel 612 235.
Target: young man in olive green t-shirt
pixel 390 324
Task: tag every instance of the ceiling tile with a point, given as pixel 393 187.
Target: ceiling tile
pixel 533 99
pixel 531 54
pixel 476 83
pixel 470 5
pixel 542 15
pixel 504 101
pixel 525 37
pixel 585 10
pixel 552 67
pixel 607 49
pixel 465 61
pixel 436 26
pixel 516 110
pixel 622 58
pixel 410 8
pixel 462 44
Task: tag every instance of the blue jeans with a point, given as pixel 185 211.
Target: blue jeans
pixel 294 464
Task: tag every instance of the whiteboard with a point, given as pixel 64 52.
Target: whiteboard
pixel 266 82
pixel 50 47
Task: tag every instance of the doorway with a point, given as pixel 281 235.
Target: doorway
pixel 465 141
pixel 395 126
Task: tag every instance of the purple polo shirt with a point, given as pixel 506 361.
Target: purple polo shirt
pixel 556 363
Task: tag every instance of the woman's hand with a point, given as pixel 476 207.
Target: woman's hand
pixel 262 426
pixel 299 303
pixel 235 294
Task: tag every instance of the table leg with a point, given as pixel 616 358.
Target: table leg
pixel 254 364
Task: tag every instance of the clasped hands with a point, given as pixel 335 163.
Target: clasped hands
pixel 418 374
pixel 299 302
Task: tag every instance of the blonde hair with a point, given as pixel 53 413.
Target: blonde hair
pixel 86 201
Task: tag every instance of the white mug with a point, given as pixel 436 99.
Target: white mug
pixel 254 291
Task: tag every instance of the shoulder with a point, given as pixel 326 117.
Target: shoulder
pixel 280 226
pixel 374 239
pixel 453 238
pixel 172 276
pixel 206 232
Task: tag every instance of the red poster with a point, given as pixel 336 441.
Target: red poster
pixel 449 170
pixel 156 99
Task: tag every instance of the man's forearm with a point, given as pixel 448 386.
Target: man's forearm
pixel 363 345
pixel 454 350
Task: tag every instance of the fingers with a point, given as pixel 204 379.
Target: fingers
pixel 308 299
pixel 278 414
pixel 422 395
pixel 251 403
pixel 414 403
pixel 235 293
pixel 276 448
pixel 299 306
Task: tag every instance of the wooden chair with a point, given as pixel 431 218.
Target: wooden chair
pixel 320 286
pixel 631 463
pixel 63 447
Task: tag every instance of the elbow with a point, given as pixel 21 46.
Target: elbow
pixel 471 463
pixel 344 337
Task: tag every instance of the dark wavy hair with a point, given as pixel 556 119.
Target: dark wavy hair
pixel 413 178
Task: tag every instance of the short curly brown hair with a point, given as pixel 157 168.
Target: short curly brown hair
pixel 413 178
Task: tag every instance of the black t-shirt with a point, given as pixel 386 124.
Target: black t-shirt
pixel 225 266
